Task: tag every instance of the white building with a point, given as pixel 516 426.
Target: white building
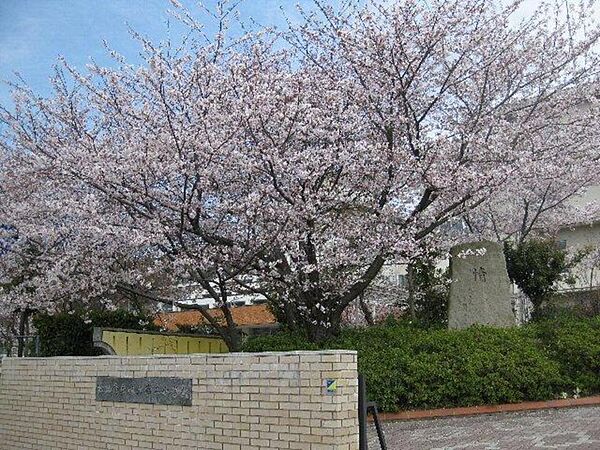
pixel 585 236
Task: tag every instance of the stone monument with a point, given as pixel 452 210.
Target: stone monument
pixel 480 288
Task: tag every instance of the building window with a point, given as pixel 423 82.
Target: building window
pixel 402 281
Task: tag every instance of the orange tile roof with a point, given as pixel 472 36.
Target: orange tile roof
pixel 250 315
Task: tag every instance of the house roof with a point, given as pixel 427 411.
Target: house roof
pixel 244 316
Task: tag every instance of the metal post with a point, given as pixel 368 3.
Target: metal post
pixel 380 434
pixel 362 414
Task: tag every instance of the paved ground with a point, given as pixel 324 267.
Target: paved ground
pixel 573 429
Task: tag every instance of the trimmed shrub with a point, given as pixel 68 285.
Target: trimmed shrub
pixel 406 367
pixel 575 345
pixel 121 318
pixel 71 334
pixel 64 334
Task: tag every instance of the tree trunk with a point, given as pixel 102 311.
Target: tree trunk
pixel 367 313
pixel 229 331
pixel 412 288
pixel 538 308
pixel 290 316
pixel 318 332
pixel 232 337
pixel 23 330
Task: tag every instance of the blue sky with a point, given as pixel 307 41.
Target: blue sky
pixel 33 33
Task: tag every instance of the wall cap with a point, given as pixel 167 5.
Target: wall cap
pixel 180 357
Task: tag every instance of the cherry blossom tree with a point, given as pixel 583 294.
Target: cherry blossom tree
pixel 452 89
pixel 548 199
pixel 301 166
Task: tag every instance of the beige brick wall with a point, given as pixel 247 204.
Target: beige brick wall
pixel 239 401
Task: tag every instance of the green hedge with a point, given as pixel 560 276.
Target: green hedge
pixel 408 368
pixel 71 334
pixel 575 345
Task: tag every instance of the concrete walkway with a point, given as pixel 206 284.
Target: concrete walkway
pixel 572 428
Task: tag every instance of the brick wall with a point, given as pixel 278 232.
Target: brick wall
pixel 239 401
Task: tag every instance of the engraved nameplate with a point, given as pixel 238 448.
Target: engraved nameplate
pixel 149 390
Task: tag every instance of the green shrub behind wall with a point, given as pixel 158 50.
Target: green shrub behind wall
pixel 71 334
pixel 409 368
pixel 64 335
pixel 575 345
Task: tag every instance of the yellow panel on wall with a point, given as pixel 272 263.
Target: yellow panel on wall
pixel 132 342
